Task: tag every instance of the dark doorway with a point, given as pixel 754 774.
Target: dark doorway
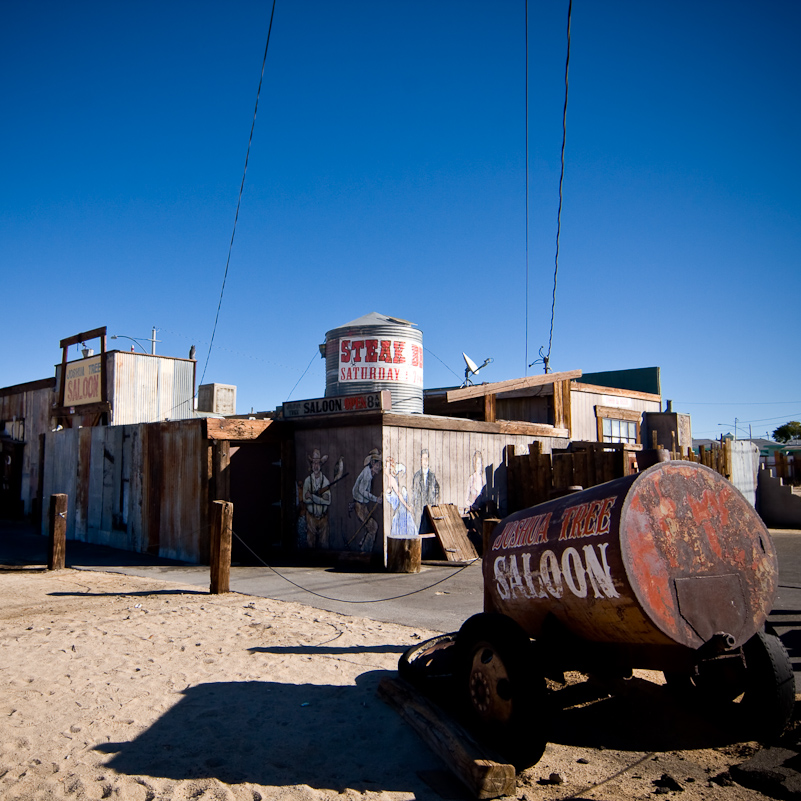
pixel 255 476
pixel 11 454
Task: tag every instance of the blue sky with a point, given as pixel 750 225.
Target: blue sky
pixel 387 173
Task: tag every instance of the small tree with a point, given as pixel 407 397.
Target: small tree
pixel 788 431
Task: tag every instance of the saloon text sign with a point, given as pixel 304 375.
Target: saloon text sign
pixel 397 361
pixel 367 402
pixel 82 384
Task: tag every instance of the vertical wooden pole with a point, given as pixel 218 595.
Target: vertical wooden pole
pixel 222 516
pixel 57 540
pixel 488 526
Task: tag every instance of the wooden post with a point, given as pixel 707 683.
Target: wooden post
pixel 57 540
pixel 222 515
pixel 486 533
pixel 404 555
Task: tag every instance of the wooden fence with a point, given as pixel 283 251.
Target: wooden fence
pixel 788 467
pixel 536 477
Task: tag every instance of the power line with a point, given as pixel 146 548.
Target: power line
pixel 547 357
pixel 314 356
pixel 428 350
pixel 735 403
pixel 527 189
pixel 239 199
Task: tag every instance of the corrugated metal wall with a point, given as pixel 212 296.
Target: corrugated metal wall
pixel 144 388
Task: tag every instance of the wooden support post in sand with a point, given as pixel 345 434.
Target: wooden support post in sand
pixel 57 540
pixel 484 777
pixel 404 555
pixel 222 516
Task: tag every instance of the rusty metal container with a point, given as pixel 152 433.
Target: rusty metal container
pixel 672 556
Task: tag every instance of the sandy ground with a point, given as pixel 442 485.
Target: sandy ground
pixel 121 687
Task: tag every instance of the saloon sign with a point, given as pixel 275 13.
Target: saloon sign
pixel 82 384
pixel 367 402
pixel 530 568
pixel 391 360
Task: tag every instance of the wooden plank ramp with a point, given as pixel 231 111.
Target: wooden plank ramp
pixel 451 532
pixel 464 757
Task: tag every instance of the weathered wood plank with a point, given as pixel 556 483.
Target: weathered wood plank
pixel 484 777
pixel 451 532
pixel 233 429
pixel 509 427
pixel 515 383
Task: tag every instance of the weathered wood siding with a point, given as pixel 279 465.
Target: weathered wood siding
pixel 585 397
pixel 451 455
pixel 530 409
pixel 353 445
pixel 27 407
pixel 139 487
pixel 400 440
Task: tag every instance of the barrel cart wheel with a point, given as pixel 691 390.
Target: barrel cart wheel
pixel 770 685
pixel 500 689
pixel 762 680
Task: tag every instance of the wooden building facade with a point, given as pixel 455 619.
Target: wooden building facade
pixel 25 411
pixel 327 484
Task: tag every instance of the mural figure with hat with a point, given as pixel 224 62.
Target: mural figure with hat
pixel 365 502
pixel 317 498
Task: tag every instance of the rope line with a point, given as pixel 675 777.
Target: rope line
pixel 239 199
pixel 345 600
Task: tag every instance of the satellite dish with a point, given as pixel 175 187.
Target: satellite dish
pixel 472 368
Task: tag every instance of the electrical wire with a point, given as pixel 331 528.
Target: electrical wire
pixel 314 356
pixel 239 199
pixel 527 190
pixel 428 350
pixel 547 357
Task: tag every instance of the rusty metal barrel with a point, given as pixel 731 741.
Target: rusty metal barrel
pixel 673 555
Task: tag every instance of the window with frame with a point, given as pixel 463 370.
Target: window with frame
pixel 618 425
pixel 618 430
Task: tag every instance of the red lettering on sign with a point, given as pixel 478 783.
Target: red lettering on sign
pixel 371 346
pixel 606 515
pixel 356 349
pixel 386 354
pixel 344 355
pixel 567 520
pixel 399 345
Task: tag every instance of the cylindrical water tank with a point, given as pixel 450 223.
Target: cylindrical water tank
pixel 376 353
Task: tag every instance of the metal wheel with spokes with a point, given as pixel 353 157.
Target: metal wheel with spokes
pixel 502 692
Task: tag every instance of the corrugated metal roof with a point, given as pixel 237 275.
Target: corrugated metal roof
pixel 374 318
